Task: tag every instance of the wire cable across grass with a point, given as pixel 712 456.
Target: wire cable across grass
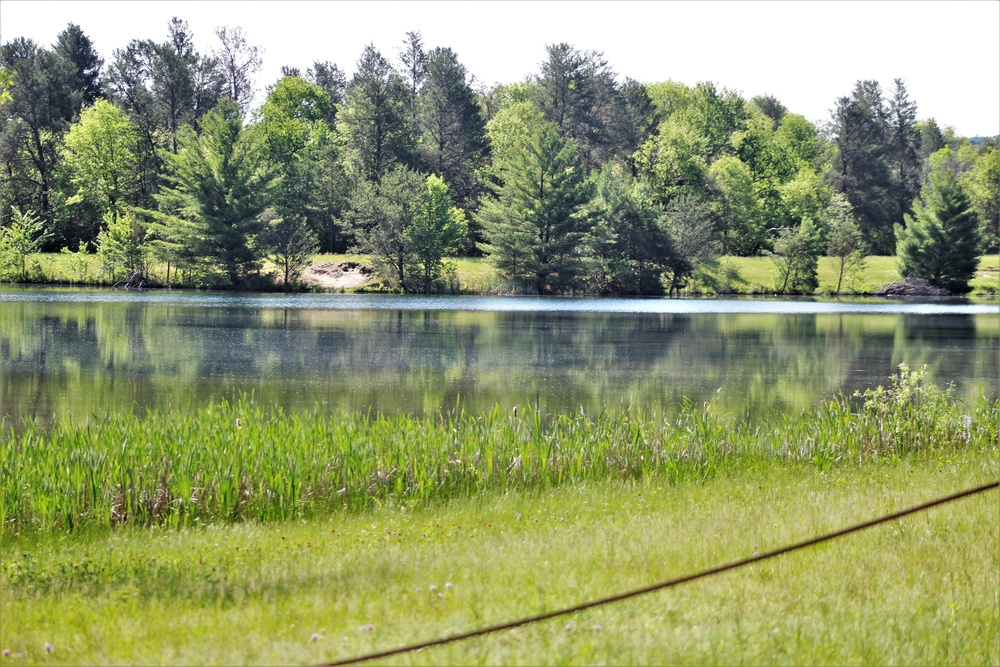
pixel 666 584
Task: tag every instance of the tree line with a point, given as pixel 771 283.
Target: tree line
pixel 574 179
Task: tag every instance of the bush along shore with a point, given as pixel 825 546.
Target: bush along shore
pixel 230 462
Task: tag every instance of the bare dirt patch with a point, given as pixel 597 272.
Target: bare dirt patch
pixel 337 275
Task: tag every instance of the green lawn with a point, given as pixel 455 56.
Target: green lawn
pixel 736 275
pixel 921 590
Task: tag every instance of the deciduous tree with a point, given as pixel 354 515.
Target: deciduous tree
pixel 383 213
pixel 101 152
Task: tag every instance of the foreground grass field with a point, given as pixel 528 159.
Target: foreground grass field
pixel 245 571
pixel 922 590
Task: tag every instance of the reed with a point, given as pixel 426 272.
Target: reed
pixel 230 462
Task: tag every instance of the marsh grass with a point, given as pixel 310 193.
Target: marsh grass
pixel 232 462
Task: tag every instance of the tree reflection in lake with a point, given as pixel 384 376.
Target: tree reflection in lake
pixel 84 358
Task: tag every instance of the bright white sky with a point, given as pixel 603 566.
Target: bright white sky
pixel 805 53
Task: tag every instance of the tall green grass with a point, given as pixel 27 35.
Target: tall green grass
pixel 236 461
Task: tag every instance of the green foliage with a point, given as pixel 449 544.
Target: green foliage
pixel 741 220
pixel 290 245
pixel 940 243
pixel 211 209
pixel 6 83
pixel 122 246
pixel 293 133
pixel 982 182
pixel 845 246
pixel 796 259
pixel 912 413
pixel 101 152
pixel 19 240
pixel 453 141
pixel 675 159
pixel 688 221
pixel 375 122
pixel 508 131
pixel 576 91
pixel 79 261
pixel 636 246
pixel 438 230
pixel 382 215
pixel 861 169
pixel 536 226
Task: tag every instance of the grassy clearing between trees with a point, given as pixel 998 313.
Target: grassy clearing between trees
pixel 235 534
pixel 727 275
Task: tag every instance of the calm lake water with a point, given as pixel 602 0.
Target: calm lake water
pixel 83 352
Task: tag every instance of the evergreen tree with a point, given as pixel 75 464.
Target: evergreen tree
pixel 453 134
pixel 638 245
pixel 42 106
pixel 210 210
pixel 375 121
pixel 902 149
pixel 860 168
pixel 75 47
pixel 539 213
pixel 577 92
pixel 940 242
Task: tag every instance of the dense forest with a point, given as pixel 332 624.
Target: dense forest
pixel 575 179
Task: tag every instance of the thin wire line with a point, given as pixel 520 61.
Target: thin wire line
pixel 666 584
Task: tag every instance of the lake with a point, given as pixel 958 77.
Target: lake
pixel 66 352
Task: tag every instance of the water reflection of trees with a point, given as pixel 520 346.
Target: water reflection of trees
pixel 88 358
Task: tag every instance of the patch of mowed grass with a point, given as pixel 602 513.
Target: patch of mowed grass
pixel 920 590
pixel 240 461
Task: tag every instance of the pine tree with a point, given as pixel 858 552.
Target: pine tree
pixel 211 210
pixel 940 242
pixel 536 227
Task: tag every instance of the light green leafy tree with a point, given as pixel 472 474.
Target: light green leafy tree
pixel 845 243
pixel 796 259
pixel 982 182
pixel 737 211
pixel 122 246
pixel 290 246
pixel 940 242
pixel 101 152
pixel 438 230
pixel 19 240
pixel 382 214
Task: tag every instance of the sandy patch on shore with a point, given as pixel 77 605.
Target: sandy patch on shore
pixel 337 275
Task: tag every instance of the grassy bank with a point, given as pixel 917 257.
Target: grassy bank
pixel 727 275
pixel 922 590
